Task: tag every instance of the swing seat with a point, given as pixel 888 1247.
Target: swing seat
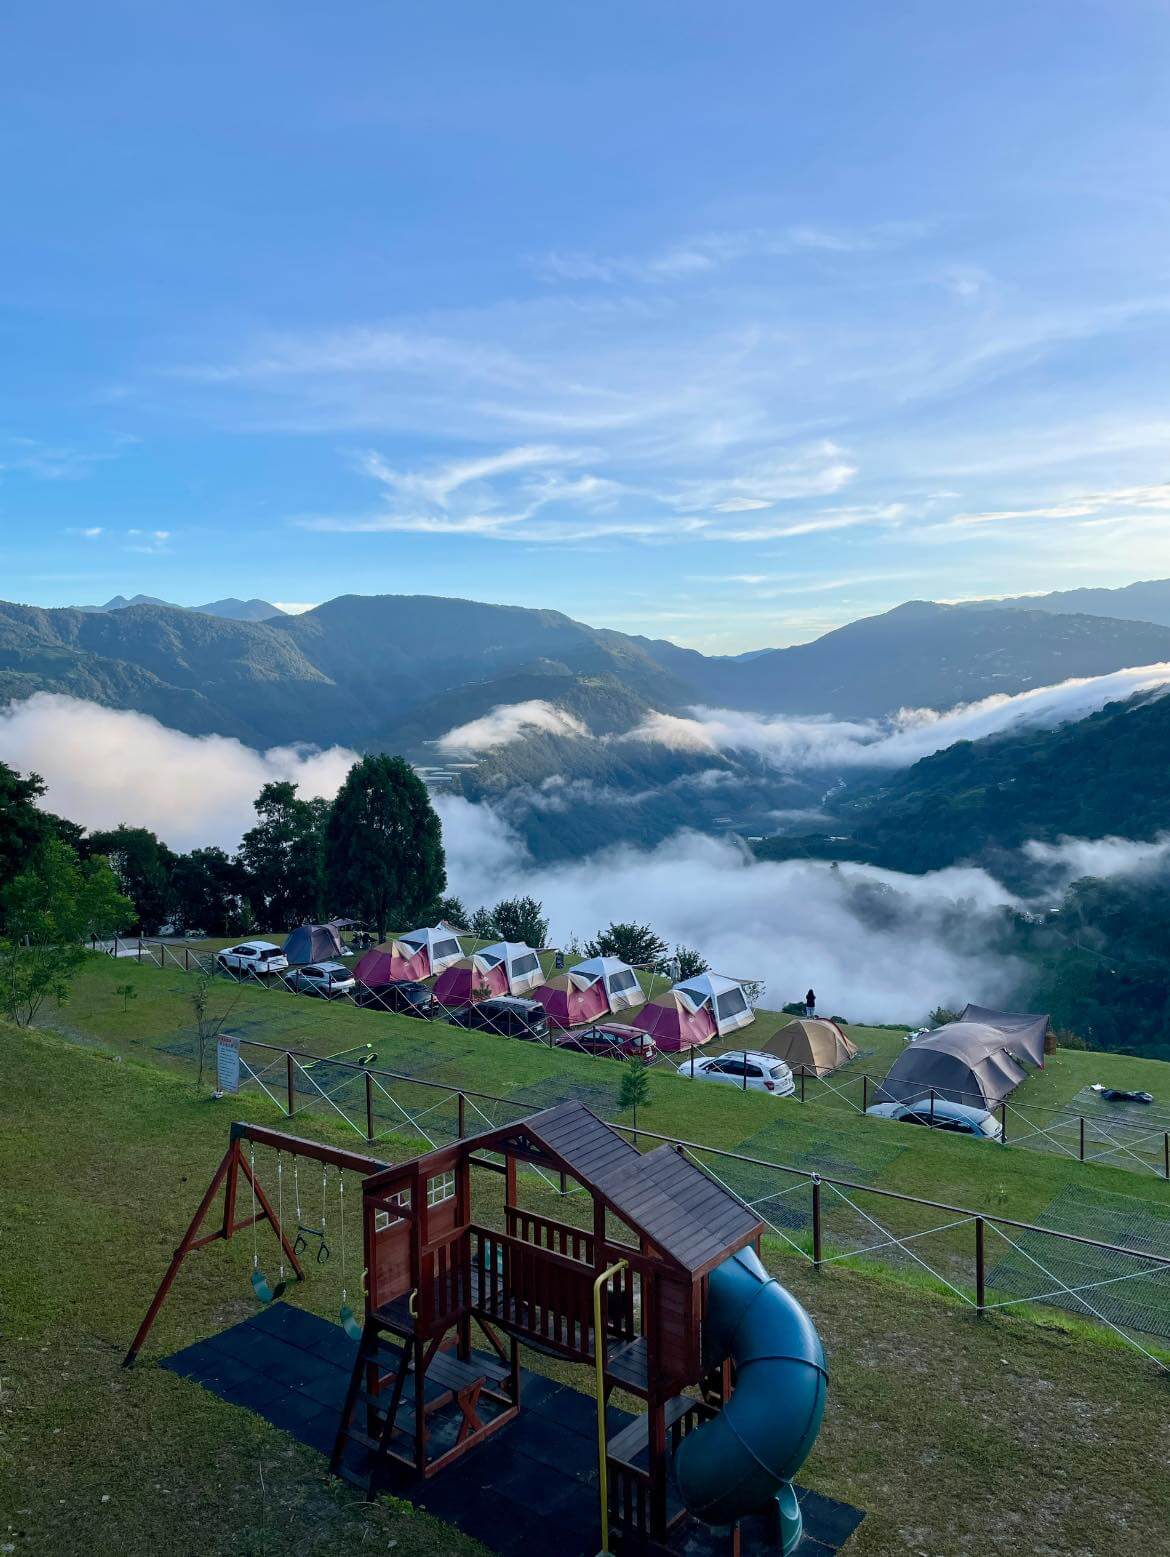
pixel 263 1288
pixel 350 1323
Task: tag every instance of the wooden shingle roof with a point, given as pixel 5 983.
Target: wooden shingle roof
pixel 662 1195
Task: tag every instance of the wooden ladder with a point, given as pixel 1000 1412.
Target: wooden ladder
pixel 382 1408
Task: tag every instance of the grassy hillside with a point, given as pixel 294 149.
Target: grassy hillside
pixel 931 1414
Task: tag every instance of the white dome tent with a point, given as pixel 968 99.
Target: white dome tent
pixel 622 989
pixel 440 943
pixel 724 998
pixel 520 963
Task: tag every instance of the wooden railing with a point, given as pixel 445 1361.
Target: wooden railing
pixel 534 1292
pixel 573 1242
pixel 444 1290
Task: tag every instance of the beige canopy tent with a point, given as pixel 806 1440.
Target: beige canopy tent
pixel 813 1046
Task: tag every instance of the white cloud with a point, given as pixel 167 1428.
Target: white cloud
pixel 103 766
pixel 296 607
pixel 790 924
pixel 509 722
pixel 1072 858
pixel 788 742
pixel 876 945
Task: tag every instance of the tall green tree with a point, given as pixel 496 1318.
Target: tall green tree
pixel 636 944
pixel 23 826
pixel 282 856
pixel 384 859
pixel 49 911
pixel 512 919
pixel 209 891
pixel 143 865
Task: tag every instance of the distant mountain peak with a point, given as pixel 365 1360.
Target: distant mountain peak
pixel 230 609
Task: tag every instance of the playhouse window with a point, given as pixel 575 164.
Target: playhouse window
pixel 384 1219
pixel 440 1188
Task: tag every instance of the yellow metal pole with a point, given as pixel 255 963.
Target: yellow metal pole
pixel 599 1357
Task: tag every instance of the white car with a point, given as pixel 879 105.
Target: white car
pixel 747 1069
pixel 256 957
pixel 321 978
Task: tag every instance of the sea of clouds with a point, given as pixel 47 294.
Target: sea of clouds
pixel 876 945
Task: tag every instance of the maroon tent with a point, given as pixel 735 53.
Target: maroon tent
pixel 385 964
pixel 568 1005
pixel 672 1026
pixel 468 980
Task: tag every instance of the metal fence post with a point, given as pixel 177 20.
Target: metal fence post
pixel 186 959
pixel 1082 1137
pixel 290 1068
pixel 864 1093
pixel 802 1083
pixel 1003 1123
pixel 816 1219
pixel 932 1108
pixel 1166 1154
pixel 980 1267
pixel 462 1116
pixel 369 1107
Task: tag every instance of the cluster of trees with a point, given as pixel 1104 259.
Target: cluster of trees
pixel 52 898
pixel 374 853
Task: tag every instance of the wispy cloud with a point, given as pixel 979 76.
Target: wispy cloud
pixel 1113 504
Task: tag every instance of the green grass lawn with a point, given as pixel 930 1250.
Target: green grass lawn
pixel 956 1435
pixel 157 1025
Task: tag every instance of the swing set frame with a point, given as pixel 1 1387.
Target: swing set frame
pixel 235 1162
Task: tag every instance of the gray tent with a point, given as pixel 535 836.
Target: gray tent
pixel 313 943
pixel 1025 1029
pixel 965 1062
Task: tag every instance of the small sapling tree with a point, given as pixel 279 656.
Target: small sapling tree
pixel 634 1092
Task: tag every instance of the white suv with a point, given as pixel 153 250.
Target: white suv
pixel 744 1068
pixel 256 957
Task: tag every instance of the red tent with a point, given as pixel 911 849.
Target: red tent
pixel 467 979
pixel 569 1006
pixel 385 964
pixel 672 1026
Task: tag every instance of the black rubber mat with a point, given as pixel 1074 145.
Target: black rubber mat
pixel 292 1369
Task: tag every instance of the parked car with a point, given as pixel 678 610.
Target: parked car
pixel 505 1014
pixel 258 957
pixel 407 996
pixel 745 1068
pixel 957 1118
pixel 611 1040
pixel 328 979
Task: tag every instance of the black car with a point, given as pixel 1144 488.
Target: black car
pixel 407 996
pixel 505 1014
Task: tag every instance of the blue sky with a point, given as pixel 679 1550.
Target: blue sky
pixel 722 323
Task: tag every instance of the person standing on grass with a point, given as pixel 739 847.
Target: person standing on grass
pixel 810 1002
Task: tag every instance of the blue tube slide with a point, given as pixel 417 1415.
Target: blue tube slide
pixel 745 1457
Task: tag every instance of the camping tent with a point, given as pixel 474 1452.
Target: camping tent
pixel 313 943
pixel 471 978
pixel 816 1047
pixel 1026 1029
pixel 394 960
pixel 521 965
pixel 569 1004
pixel 439 945
pixel 723 998
pixel 622 989
pixel 673 1025
pixel 965 1062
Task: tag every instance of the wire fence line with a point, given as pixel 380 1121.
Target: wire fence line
pixel 1131 1136
pixel 985 1262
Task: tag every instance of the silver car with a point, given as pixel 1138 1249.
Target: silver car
pixel 328 979
pixel 955 1118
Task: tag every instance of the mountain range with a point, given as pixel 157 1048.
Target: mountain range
pixel 232 609
pixel 399 673
pixel 394 669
